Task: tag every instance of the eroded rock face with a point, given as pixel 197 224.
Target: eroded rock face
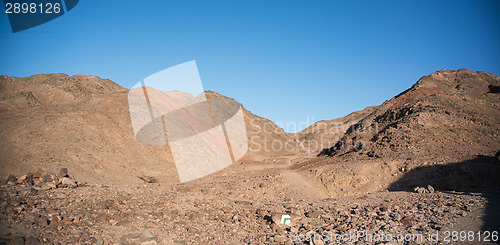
pixel 442 113
pixel 446 125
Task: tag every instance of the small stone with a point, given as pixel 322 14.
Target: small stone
pixel 147 236
pixel 41 221
pixel 63 173
pixel 29 180
pixel 69 182
pixel 123 198
pixel 148 179
pixel 328 227
pixel 15 202
pixel 124 222
pixel 36 181
pixel 261 213
pixel 45 187
pixel 430 189
pixel 341 228
pixel 408 221
pixel 21 179
pixel 38 173
pixel 47 177
pixel 313 214
pixel 243 202
pixel 51 185
pixel 194 230
pixel 11 180
pixel 99 242
pixel 280 238
pixel 396 216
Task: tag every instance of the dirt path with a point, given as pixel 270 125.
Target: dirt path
pixel 304 188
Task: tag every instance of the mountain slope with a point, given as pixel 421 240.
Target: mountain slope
pixel 448 114
pixel 83 123
pixel 448 121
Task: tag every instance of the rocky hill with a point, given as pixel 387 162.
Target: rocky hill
pixel 446 116
pixel 449 118
pixel 323 134
pixel 82 122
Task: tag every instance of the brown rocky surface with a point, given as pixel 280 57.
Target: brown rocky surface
pixel 422 163
pixel 83 123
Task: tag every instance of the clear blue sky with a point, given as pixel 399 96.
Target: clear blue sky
pixel 284 60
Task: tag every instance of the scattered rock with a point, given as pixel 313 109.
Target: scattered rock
pixel 63 173
pixel 29 180
pixel 147 236
pixel 51 184
pixel 21 179
pixel 429 189
pixel 280 238
pixel 313 214
pixel 41 221
pixel 194 230
pixel 11 180
pixel 148 179
pixel 38 173
pixel 69 182
pixel 408 221
pixel 124 222
pixel 48 177
pixel 396 216
pixel 44 180
pixel 44 186
pixel 242 202
pixel 341 228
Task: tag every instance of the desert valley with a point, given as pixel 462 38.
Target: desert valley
pixel 413 170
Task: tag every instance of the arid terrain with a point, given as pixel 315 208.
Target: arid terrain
pixel 418 169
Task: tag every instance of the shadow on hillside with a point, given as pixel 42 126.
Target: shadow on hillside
pixel 479 175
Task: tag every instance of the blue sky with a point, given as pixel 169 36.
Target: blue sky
pixel 289 61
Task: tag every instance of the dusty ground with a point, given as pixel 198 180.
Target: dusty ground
pixel 238 206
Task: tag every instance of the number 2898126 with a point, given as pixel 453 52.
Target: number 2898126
pixel 32 8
